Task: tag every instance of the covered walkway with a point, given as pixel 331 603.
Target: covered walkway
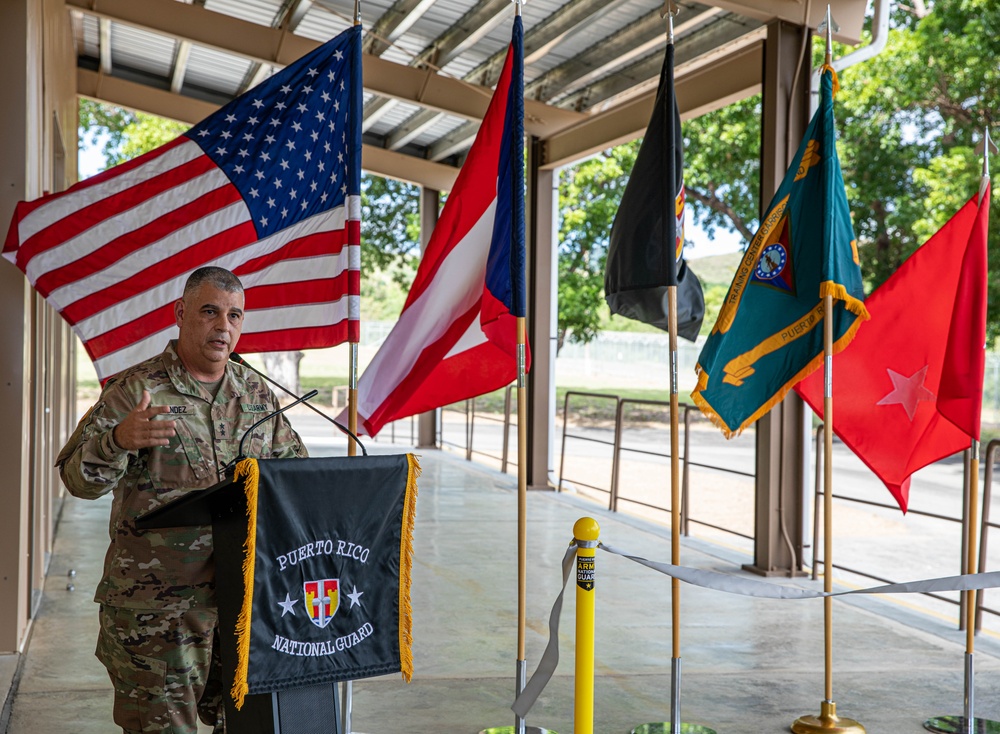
pixel 750 665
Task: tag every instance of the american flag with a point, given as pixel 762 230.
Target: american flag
pixel 268 187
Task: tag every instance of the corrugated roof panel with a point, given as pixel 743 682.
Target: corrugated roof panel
pixel 211 69
pixel 321 24
pixel 438 130
pixel 612 19
pixel 262 12
pixel 395 117
pixel 142 50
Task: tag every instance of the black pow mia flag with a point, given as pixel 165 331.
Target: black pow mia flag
pixel 647 236
pixel 326 571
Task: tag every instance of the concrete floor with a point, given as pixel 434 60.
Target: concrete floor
pixel 749 665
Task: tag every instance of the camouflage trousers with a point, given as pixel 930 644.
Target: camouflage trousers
pixel 165 669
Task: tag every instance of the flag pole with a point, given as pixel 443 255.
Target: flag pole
pixel 827 721
pixel 968 723
pixel 669 245
pixel 352 387
pixel 670 216
pixel 522 498
pixel 521 671
pixel 347 698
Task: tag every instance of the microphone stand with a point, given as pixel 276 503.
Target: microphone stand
pixel 309 395
pixel 240 361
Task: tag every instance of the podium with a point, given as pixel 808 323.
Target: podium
pixel 312 564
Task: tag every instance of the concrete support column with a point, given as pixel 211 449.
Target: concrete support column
pixel 542 204
pixel 430 204
pixel 778 526
pixel 20 152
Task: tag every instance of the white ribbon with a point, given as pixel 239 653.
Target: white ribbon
pixel 729 584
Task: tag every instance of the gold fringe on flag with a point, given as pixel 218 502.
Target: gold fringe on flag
pixel 247 468
pixel 836 81
pixel 839 293
pixel 406 570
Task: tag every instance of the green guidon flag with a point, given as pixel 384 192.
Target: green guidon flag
pixel 769 333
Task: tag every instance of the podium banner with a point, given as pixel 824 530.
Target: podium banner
pixel 326 571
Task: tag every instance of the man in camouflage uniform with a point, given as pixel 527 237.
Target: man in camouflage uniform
pixel 162 428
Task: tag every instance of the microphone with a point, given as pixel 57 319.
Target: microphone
pixel 240 361
pixel 269 416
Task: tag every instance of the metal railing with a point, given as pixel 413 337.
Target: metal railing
pixel 468 409
pixel 984 529
pixel 618 448
pixel 566 434
pixel 961 521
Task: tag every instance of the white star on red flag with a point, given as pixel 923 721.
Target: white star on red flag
pixel 908 391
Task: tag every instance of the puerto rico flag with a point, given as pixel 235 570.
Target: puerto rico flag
pixel 457 335
pixel 268 187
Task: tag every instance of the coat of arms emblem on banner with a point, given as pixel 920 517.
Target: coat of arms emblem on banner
pixel 322 600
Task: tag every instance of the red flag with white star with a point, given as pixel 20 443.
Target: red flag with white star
pixel 909 391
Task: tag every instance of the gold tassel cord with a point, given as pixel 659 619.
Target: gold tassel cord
pixel 247 468
pixel 406 569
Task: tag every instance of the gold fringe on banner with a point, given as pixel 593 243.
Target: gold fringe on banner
pixel 839 293
pixel 406 570
pixel 246 468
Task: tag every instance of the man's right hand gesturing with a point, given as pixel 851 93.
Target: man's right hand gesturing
pixel 140 430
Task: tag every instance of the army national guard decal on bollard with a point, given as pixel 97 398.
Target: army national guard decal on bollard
pixel 585 566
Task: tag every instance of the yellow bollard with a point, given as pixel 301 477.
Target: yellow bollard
pixel 585 532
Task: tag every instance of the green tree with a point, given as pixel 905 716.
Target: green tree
pixel 909 122
pixel 589 195
pixel 126 134
pixel 390 228
pixel 722 168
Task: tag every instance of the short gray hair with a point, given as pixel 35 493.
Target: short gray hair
pixel 215 276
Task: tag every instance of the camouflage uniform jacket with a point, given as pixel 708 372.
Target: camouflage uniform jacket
pixel 172 567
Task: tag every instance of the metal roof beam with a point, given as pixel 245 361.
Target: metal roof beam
pixel 271 46
pixel 104 43
pixel 412 128
pixel 710 87
pixel 468 29
pixel 721 32
pixel 457 140
pixel 543 37
pixel 850 14
pixel 181 56
pixel 394 22
pixel 291 16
